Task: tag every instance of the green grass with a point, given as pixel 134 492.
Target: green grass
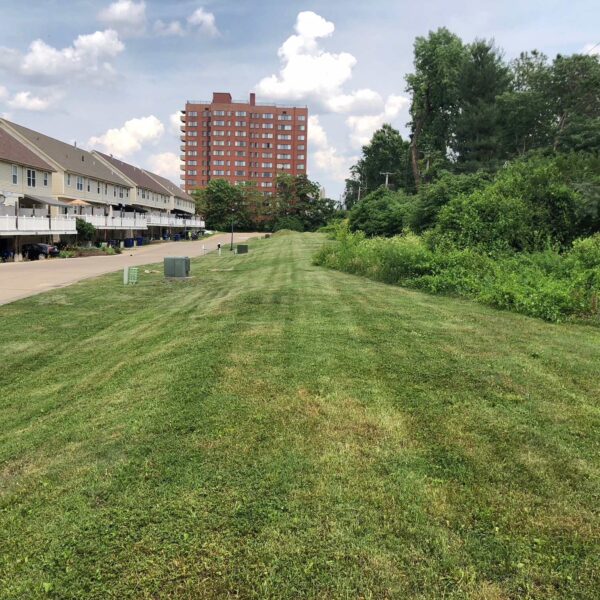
pixel 271 429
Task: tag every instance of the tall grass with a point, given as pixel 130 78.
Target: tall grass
pixel 548 284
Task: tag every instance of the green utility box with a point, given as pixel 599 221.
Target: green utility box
pixel 242 249
pixel 177 266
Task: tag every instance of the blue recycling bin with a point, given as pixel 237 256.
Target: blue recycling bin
pixel 128 242
pixel 139 240
pixel 176 237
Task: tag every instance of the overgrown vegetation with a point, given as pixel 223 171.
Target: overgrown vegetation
pixel 547 284
pixel 272 429
pixel 501 181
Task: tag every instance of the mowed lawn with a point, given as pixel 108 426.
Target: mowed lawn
pixel 271 429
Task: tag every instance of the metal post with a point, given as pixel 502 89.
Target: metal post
pixel 231 247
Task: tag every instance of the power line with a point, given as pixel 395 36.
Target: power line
pixel 594 46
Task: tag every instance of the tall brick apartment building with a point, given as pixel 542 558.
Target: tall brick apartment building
pixel 242 142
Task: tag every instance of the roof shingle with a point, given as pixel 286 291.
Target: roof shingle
pixel 13 151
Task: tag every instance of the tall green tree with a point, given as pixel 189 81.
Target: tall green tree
pixel 387 152
pixel 220 203
pixel 435 86
pixel 477 129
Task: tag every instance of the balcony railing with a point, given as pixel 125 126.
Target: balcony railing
pixel 135 221
pixel 160 220
pixel 37 224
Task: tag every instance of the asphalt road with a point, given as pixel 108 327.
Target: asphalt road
pixel 19 280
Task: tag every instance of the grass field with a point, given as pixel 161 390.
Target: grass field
pixel 271 429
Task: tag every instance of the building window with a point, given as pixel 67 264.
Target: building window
pixel 218 113
pixel 300 156
pixel 240 123
pixel 284 156
pixel 45 179
pixel 267 125
pixel 301 147
pixel 80 183
pixel 15 174
pixel 301 117
pixel 240 163
pixel 69 179
pixel 192 114
pixel 106 189
pixel 267 165
pixel 240 133
pixel 267 116
pixel 240 144
pixel 265 175
pixel 89 186
pixel 240 173
pixel 301 138
pixel 301 167
pixel 240 113
pixel 30 178
pixel 284 127
pixel 284 137
pixel 285 117
pixel 218 172
pixel 284 146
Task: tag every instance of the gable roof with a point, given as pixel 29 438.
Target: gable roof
pixel 69 157
pixel 13 151
pixel 137 175
pixel 173 189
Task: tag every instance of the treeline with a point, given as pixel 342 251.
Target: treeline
pixel 298 205
pixel 496 193
pixel 471 111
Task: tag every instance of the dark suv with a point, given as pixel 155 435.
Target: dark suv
pixel 37 251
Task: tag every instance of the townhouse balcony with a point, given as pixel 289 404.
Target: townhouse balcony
pixel 28 224
pixel 163 220
pixel 182 118
pixel 182 147
pixel 116 222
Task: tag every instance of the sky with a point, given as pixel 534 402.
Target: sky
pixel 113 75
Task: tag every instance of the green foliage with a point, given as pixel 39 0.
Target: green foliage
pixel 387 152
pixel 382 212
pixel 220 203
pixel 528 206
pixel 545 284
pixel 288 223
pixel 86 232
pixel 433 196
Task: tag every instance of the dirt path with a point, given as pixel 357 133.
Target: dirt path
pixel 19 280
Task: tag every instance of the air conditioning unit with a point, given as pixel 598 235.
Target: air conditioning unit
pixel 177 266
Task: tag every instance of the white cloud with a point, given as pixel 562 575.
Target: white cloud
pixel 591 49
pixel 89 55
pixel 129 139
pixel 205 21
pixel 25 101
pixel 362 127
pixel 125 16
pixel 166 164
pixel 310 74
pixel 168 29
pixel 175 123
pixel 3 92
pixel 325 157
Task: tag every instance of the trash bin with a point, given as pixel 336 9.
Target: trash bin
pixel 176 237
pixel 139 240
pixel 129 243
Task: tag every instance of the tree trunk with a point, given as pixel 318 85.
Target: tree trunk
pixel 414 155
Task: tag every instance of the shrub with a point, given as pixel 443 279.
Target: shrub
pixel 546 284
pixel 289 223
pixel 382 213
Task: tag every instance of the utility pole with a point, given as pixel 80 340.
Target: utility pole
pixel 387 176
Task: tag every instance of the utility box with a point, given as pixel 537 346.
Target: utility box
pixel 177 266
pixel 242 249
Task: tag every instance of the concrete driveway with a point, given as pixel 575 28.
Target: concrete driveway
pixel 19 280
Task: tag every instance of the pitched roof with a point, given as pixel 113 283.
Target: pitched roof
pixel 12 150
pixel 69 157
pixel 137 175
pixel 173 189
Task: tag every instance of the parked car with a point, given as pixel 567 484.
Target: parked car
pixel 37 251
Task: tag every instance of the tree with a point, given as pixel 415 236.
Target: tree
pixel 432 197
pixel 299 197
pixel 435 89
pixel 86 232
pixel 477 127
pixel 525 110
pixel 221 202
pixel 382 212
pixel 575 97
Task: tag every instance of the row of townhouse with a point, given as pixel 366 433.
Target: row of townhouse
pixel 46 185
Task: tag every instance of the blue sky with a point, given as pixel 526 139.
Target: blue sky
pixel 112 74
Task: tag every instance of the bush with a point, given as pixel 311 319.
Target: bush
pixel 382 212
pixel 546 284
pixel 289 223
